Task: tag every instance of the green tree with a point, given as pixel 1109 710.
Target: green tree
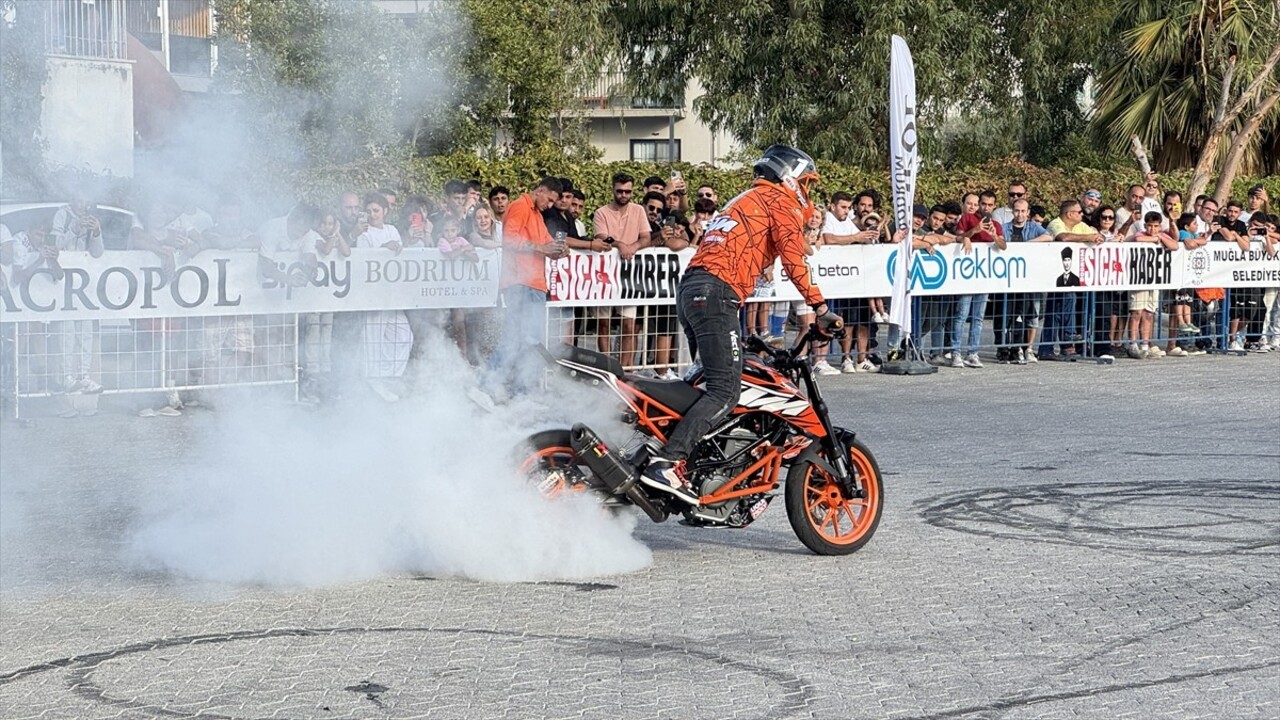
pixel 814 72
pixel 1184 75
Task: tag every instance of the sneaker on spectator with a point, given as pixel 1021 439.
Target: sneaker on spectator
pixel 668 374
pixel 1236 346
pixel 1134 351
pixel 868 366
pixel 973 361
pixel 956 360
pixel 88 385
pixel 70 384
pixel 173 399
pixel 169 411
pixel 849 366
pixel 936 359
pixel 1021 357
pixel 1032 357
pixel 879 319
pixel 1152 353
pixel 1177 352
pixel 1196 350
pixel 1188 329
pixel 822 367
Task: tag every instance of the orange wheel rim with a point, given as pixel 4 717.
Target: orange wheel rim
pixel 548 467
pixel 840 520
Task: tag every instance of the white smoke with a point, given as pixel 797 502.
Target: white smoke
pixel 282 496
pixel 426 485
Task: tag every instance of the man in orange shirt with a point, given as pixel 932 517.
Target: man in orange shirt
pixel 526 245
pixel 756 228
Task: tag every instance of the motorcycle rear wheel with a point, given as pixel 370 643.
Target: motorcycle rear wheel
pixel 823 518
pixel 551 465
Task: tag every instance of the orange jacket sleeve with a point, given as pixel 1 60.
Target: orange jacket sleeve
pixel 788 228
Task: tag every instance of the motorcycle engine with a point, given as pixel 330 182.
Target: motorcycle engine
pixel 723 446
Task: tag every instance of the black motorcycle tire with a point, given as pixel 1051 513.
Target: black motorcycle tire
pixel 827 522
pixel 548 450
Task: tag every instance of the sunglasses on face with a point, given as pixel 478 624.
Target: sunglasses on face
pixel 622 192
pixel 1108 217
pixel 705 195
pixel 1017 194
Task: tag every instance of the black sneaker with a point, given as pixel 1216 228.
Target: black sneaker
pixel 668 476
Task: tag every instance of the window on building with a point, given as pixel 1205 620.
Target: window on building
pixel 653 151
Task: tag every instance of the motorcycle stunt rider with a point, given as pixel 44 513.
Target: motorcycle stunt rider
pixel 757 227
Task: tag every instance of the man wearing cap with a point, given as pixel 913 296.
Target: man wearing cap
pixel 1090 201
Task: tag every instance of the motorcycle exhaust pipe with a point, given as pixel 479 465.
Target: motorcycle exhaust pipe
pixel 618 475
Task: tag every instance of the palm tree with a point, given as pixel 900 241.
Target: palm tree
pixel 1183 74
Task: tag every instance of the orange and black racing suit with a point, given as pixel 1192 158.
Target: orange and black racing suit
pixel 756 228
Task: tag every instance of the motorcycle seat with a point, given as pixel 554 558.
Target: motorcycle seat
pixel 675 394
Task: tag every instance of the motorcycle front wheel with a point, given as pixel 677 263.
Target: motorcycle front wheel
pixel 823 517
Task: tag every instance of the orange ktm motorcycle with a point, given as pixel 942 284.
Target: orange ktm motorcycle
pixel 833 489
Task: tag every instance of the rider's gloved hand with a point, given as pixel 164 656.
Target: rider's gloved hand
pixel 828 324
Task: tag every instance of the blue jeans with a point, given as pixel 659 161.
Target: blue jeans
pixel 708 310
pixel 938 314
pixel 969 307
pixel 1059 321
pixel 524 325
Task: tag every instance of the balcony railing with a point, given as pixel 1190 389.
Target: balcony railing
pixel 190 30
pixel 80 29
pixel 611 90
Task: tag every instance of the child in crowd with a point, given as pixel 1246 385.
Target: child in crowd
pixel 878 314
pixel 1182 297
pixel 454 246
pixel 758 312
pixel 1143 304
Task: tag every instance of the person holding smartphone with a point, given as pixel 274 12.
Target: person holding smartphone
pixel 76 229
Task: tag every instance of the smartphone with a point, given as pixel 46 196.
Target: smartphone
pixel 1259 231
pixel 610 240
pixel 669 221
pixel 415 220
pixel 676 175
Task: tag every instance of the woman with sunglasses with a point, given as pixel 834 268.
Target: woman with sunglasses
pixel 1110 304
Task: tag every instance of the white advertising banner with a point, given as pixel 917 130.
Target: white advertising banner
pixel 131 284
pixel 904 161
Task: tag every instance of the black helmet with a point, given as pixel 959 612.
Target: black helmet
pixel 780 162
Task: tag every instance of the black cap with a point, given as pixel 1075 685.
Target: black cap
pixel 920 211
pixel 1255 189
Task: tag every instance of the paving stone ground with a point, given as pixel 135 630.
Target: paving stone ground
pixel 1059 541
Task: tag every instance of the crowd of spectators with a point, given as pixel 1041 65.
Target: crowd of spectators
pixel 384 347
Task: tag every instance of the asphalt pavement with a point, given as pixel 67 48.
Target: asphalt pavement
pixel 1059 541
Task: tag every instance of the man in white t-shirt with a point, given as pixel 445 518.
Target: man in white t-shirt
pixel 840 228
pixel 1004 215
pixel 75 228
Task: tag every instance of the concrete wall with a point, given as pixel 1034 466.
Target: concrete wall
pixel 87 116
